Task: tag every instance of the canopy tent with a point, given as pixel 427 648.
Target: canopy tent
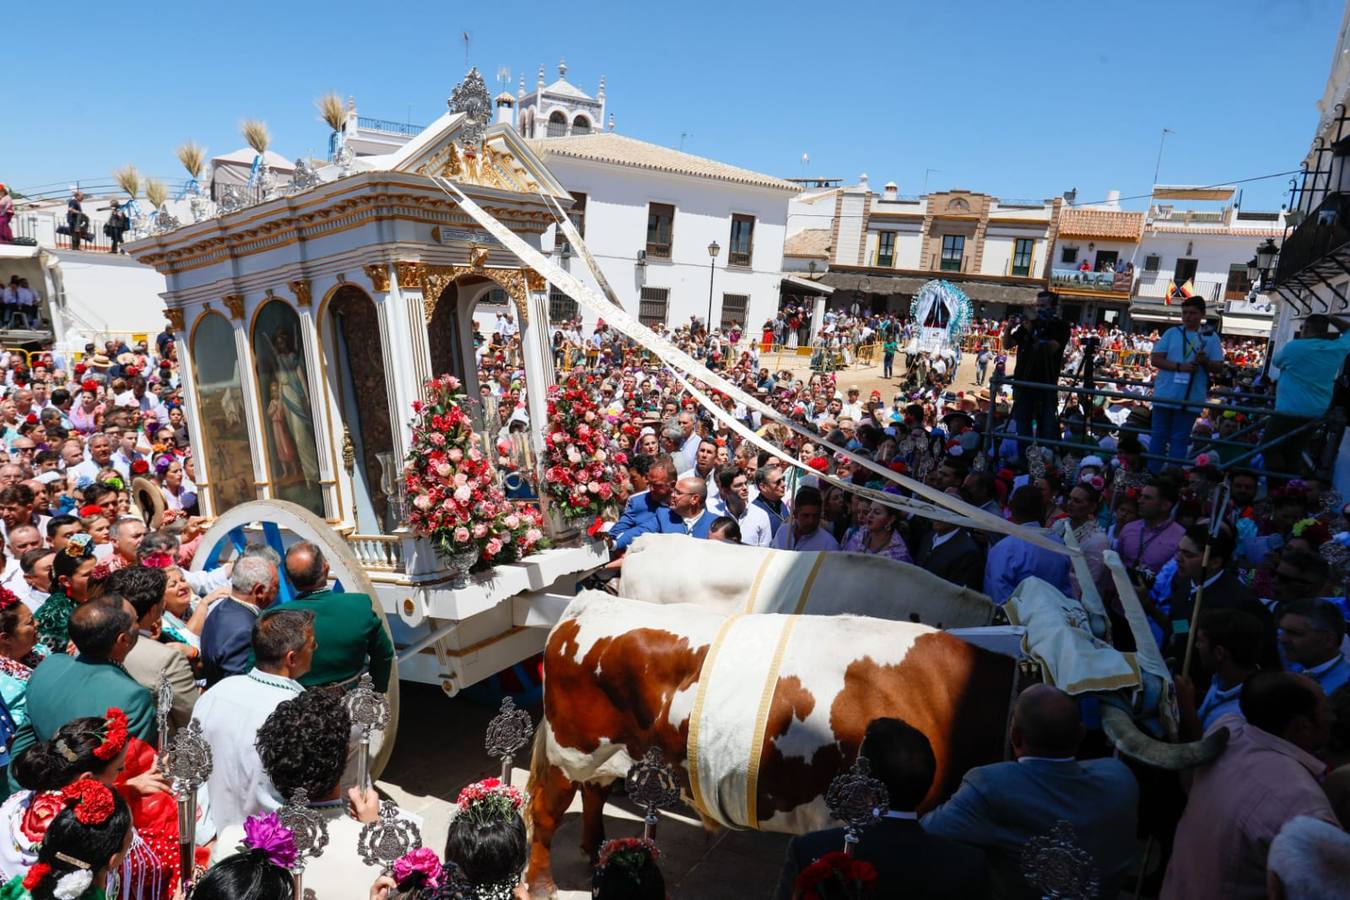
pixel 235 168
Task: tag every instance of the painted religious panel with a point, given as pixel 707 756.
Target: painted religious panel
pixel 287 408
pixel 220 398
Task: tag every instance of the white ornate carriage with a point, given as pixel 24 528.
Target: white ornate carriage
pixel 307 324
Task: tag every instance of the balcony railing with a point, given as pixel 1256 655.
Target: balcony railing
pixel 1100 282
pixel 385 126
pixel 41 228
pixel 1151 287
pixel 1325 230
pixel 380 552
pixel 1188 216
pixel 952 265
pixel 885 260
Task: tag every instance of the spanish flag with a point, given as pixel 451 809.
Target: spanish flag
pixel 1185 291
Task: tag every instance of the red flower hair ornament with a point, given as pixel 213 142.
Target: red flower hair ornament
pixel 35 875
pixel 90 801
pixel 114 735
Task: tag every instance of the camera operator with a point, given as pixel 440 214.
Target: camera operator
pixel 1040 347
pixel 1184 357
pixel 117 225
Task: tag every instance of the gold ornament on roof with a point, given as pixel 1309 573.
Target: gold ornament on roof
pixel 409 274
pixel 300 288
pixel 378 273
pixel 175 317
pixel 235 304
pixel 478 255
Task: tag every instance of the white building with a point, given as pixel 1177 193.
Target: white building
pixel 1207 249
pixel 650 215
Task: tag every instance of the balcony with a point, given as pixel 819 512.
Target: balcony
pixel 1151 287
pixel 1074 281
pixel 384 126
pixel 1323 232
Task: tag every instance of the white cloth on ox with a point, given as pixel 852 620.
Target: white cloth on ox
pixel 671 568
pixel 1058 636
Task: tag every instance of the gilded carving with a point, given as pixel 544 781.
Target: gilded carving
pixel 235 304
pixel 534 281
pixel 378 274
pixel 514 281
pixel 409 274
pixel 478 255
pixel 175 317
pixel 300 288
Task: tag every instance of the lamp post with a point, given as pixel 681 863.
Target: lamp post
pixel 713 250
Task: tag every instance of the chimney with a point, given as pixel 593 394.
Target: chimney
pixel 891 191
pixel 611 121
pixel 506 114
pixel 1113 200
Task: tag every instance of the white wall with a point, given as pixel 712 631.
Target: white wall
pixel 106 294
pixel 1212 253
pixel 616 229
pixel 999 244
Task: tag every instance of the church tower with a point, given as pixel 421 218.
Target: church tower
pixel 560 109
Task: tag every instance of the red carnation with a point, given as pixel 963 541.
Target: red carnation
pixel 140 467
pixel 92 800
pixel 89 385
pixel 35 875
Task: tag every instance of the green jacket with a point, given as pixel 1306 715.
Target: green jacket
pixel 348 631
pixel 62 688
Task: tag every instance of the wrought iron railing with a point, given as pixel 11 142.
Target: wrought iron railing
pixel 1105 282
pixel 1324 230
pixel 385 126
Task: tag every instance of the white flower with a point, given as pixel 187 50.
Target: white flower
pixel 71 885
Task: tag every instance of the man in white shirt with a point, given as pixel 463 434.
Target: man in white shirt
pixel 37 577
pixel 804 531
pixel 126 455
pixel 853 407
pixel 734 500
pixel 100 455
pixel 21 539
pixel 689 447
pixel 234 709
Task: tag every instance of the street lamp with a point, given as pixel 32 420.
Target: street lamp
pixel 1253 270
pixel 713 250
pixel 1265 255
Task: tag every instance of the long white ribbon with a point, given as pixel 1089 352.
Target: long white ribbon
pixel 676 358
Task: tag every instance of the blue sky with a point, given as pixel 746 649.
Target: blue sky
pixel 1021 100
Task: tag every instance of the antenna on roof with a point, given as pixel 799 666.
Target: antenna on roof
pixel 503 77
pixel 683 135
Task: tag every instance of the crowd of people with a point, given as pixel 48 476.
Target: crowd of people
pixel 1158 468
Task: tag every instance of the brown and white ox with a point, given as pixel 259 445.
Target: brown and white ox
pixel 623 676
pixel 732 579
pixel 769 707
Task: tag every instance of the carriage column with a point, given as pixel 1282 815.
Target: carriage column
pixel 537 349
pixel 248 381
pixel 323 426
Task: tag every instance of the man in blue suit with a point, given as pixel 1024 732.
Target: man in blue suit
pixel 689 513
pixel 649 511
pixel 227 637
pixel 1000 807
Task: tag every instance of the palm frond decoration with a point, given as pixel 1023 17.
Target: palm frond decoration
pixel 331 110
pixel 193 157
pixel 156 192
pixel 255 134
pixel 129 180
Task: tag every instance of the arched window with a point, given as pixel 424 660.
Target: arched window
pixel 581 125
pixel 287 408
pixel 220 405
pixel 557 124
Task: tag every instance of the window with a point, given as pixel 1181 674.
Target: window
pixel 652 306
pixel 1068 255
pixel 660 228
pixel 742 240
pixel 578 216
pixel 953 248
pixel 1238 284
pixel 733 310
pixel 495 297
pixel 557 125
pixel 1152 263
pixel 886 248
pixel 1021 261
pixel 561 308
pixel 580 125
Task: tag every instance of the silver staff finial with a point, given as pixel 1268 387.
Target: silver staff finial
pixel 388 837
pixel 650 783
pixel 508 731
pixel 1058 867
pixel 856 799
pixel 163 706
pixel 308 826
pixel 369 711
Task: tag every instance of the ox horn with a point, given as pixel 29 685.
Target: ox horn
pixel 1131 740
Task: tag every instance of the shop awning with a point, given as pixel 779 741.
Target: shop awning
pixel 808 285
pixel 1246 326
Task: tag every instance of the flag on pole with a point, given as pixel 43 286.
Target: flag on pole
pixel 1169 293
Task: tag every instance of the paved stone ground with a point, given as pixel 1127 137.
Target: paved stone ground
pixel 868 377
pixel 440 749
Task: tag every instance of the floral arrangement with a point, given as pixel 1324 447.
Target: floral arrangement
pixel 456 502
pixel 114 734
pixel 628 853
pixel 266 834
pixel 489 799
pixel 834 875
pixel 581 466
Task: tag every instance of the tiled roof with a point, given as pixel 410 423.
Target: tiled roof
pixel 567 89
pixel 1108 224
pixel 811 242
pixel 607 147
